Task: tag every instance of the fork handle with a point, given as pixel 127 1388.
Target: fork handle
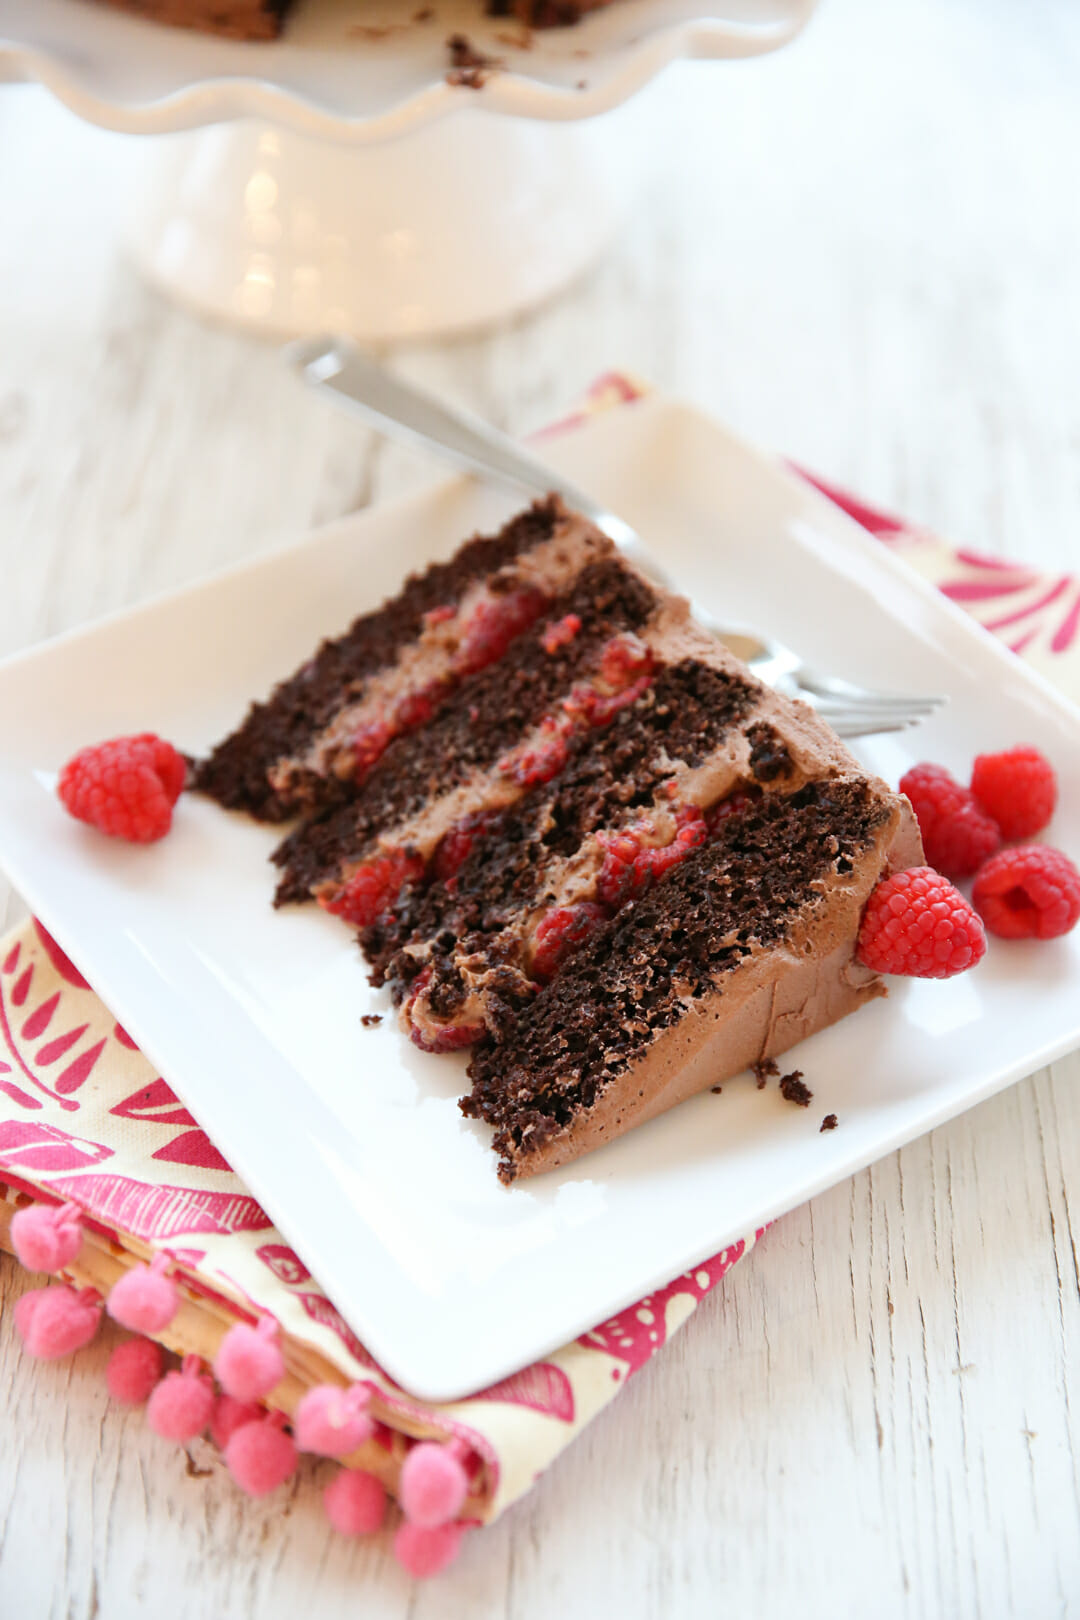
pixel 404 412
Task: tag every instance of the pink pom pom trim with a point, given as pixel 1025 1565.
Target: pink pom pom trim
pixel 180 1407
pixel 145 1299
pixel 355 1502
pixel 425 1552
pixel 331 1421
pixel 261 1456
pixel 229 1415
pixel 134 1368
pixel 249 1362
pixel 52 1322
pixel 434 1483
pixel 47 1237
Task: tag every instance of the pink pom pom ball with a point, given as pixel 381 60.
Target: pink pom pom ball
pixel 229 1415
pixel 52 1322
pixel 260 1457
pixel 249 1363
pixel 425 1552
pixel 355 1502
pixel 145 1299
pixel 46 1237
pixel 181 1405
pixel 331 1421
pixel 134 1368
pixel 433 1485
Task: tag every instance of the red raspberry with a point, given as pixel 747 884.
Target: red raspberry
pixel 626 871
pixel 369 743
pixel 630 866
pixel 595 708
pixel 1018 788
pixel 439 615
pixel 917 924
pixel 693 831
pixel 956 835
pixel 560 932
pixel 126 787
pixel 416 708
pixel 448 1037
pixel 373 888
pixel 455 846
pixel 624 659
pixel 558 634
pixel 1028 893
pixel 493 624
pixel 530 764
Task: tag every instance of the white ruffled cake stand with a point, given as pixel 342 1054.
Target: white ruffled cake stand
pixel 336 179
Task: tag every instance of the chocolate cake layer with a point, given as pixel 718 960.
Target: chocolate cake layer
pixel 238 772
pixel 780 886
pixel 486 715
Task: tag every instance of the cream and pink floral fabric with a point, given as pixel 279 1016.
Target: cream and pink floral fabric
pixel 83 1116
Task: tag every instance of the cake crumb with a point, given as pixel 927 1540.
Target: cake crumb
pixel 716 1090
pixel 370 1020
pixel 468 66
pixel 793 1089
pixel 764 1068
pixel 830 1122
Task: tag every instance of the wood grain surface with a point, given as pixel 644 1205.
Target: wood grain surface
pixel 864 252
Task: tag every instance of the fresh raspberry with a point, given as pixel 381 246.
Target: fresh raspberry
pixel 125 787
pixel 560 932
pixel 626 872
pixel 455 846
pixel 532 763
pixel 631 866
pixel 416 708
pixel 1028 893
pixel 1017 788
pixel 693 831
pixel 493 624
pixel 733 805
pixel 917 924
pixel 369 743
pixel 624 659
pixel 957 836
pixel 373 888
pixel 594 708
pixel 559 633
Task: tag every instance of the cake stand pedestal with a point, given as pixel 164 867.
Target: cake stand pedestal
pixel 335 179
pixel 454 226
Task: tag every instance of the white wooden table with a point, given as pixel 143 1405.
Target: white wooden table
pixel 864 253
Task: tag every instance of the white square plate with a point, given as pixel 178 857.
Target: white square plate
pixel 350 1137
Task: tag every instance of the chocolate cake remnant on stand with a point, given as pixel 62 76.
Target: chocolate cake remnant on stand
pixel 235 19
pixel 264 19
pixel 576 836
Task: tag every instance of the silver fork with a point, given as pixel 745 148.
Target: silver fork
pixel 404 412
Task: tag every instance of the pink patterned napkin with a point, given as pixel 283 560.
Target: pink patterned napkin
pixel 84 1117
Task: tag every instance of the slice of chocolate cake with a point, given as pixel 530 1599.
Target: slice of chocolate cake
pixel 575 834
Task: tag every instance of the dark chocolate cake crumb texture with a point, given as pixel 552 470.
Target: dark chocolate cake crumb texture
pixel 371 1020
pixel 639 974
pixel 765 1069
pixel 829 1123
pixel 793 1089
